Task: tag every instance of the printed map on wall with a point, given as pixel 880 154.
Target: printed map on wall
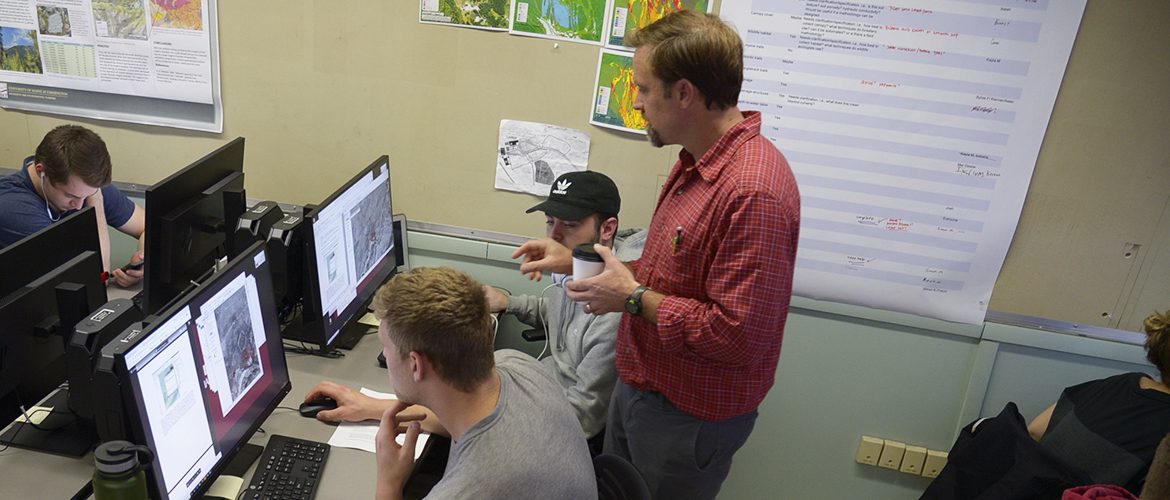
pixel 630 15
pixel 570 20
pixel 532 155
pixel 613 102
pixel 153 62
pixel 483 14
pixel 913 128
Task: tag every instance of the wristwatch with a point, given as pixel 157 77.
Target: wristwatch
pixel 634 301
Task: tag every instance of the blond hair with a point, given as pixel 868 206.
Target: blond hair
pixel 1157 328
pixel 443 314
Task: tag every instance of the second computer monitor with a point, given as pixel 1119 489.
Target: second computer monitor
pixel 200 380
pixel 190 223
pixel 351 253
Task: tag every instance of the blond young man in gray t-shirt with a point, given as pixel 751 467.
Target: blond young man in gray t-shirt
pixel 513 433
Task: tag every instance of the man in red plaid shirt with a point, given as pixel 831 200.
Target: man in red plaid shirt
pixel 707 301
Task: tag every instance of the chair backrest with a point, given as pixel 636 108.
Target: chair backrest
pixel 617 479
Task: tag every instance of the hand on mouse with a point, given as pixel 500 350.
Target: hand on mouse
pixel 352 406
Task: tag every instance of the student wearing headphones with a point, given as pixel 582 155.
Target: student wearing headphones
pixel 71 170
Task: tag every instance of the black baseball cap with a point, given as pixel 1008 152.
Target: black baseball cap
pixel 577 195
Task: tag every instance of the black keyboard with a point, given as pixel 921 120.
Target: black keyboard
pixel 290 468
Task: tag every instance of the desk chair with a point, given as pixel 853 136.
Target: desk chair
pixel 617 479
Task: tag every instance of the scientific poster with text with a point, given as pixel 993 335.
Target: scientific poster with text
pixel 913 128
pixel 142 61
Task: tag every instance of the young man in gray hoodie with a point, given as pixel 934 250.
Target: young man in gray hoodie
pixel 581 208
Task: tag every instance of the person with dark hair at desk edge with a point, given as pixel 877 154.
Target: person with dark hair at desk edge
pixel 70 170
pixel 513 432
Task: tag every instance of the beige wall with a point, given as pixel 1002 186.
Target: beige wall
pixel 1102 180
pixel 321 88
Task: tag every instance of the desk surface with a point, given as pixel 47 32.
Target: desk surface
pixel 30 474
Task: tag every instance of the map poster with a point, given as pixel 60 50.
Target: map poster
pixel 913 127
pixel 154 62
pixel 482 14
pixel 628 16
pixel 532 155
pixel 570 20
pixel 613 102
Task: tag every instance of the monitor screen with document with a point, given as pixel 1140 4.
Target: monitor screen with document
pixel 350 254
pixel 199 380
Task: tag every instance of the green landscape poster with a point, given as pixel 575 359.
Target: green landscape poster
pixel 484 14
pixel 571 20
pixel 615 92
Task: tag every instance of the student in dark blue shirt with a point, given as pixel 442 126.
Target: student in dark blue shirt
pixel 71 170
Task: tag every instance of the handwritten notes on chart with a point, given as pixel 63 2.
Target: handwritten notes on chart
pixel 913 128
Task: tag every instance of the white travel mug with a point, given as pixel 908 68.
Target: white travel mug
pixel 586 262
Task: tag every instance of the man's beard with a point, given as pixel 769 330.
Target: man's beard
pixel 653 137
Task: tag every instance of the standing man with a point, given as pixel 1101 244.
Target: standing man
pixel 71 170
pixel 707 301
pixel 581 208
pixel 513 435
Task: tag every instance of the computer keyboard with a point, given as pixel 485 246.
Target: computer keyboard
pixel 290 468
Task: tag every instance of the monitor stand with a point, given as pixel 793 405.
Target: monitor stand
pixel 66 434
pixel 351 334
pixel 239 464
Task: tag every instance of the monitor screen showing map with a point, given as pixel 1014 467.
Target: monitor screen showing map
pixel 352 248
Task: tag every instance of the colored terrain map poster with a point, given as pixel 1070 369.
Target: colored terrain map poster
pixel 178 14
pixel 570 20
pixel 482 14
pixel 631 15
pixel 613 103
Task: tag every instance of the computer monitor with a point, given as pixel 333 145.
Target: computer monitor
pixel 34 322
pixel 36 254
pixel 199 380
pixel 191 219
pixel 350 253
pixel 401 244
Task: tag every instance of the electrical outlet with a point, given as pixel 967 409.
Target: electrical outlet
pixel 869 450
pixel 913 459
pixel 892 452
pixel 935 461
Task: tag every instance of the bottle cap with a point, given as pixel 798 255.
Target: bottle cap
pixel 116 457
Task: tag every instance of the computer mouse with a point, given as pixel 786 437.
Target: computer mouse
pixel 311 408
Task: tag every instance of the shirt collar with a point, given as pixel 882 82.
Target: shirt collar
pixel 716 157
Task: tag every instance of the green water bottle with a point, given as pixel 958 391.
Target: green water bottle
pixel 119 476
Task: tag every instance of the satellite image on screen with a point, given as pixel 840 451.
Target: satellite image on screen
pixel 372 230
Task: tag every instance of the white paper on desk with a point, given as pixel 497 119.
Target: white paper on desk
pixel 361 435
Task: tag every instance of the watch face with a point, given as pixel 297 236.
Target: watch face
pixel 634 301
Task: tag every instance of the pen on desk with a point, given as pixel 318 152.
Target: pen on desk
pixel 677 239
